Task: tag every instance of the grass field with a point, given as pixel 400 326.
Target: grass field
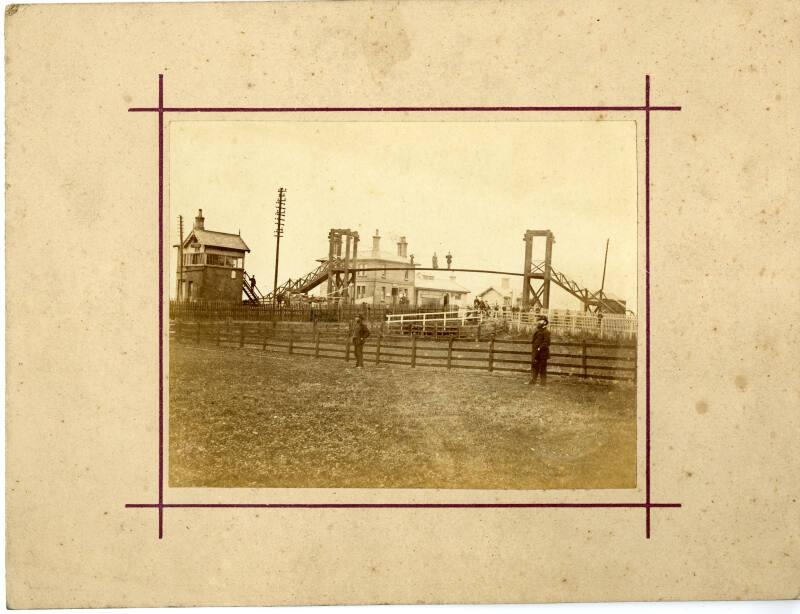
pixel 243 418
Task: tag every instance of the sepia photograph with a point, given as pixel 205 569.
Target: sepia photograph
pixel 407 304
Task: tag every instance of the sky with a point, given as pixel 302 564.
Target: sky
pixel 470 188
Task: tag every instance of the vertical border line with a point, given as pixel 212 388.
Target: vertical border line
pixel 160 306
pixel 647 297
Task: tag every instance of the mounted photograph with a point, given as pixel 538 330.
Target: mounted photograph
pixel 403 304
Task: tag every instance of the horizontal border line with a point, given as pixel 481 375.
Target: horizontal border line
pixel 398 505
pixel 385 109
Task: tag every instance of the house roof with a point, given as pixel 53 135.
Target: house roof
pixel 217 239
pixel 370 256
pixel 490 288
pixel 448 285
pixel 610 296
pixel 613 297
pixel 386 256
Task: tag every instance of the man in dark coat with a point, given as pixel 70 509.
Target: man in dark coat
pixel 360 334
pixel 540 350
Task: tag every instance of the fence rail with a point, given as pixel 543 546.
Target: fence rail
pixel 607 325
pixel 256 312
pixel 582 359
pixel 408 319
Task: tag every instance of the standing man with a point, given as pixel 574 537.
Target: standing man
pixel 360 334
pixel 540 350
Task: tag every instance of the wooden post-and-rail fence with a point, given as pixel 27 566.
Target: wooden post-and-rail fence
pixel 576 359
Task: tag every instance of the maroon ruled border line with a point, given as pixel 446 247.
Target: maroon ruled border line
pixel 647 302
pixel 395 505
pixel 647 505
pixel 160 306
pixel 385 109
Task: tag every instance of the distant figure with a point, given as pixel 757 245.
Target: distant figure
pixel 360 334
pixel 541 350
pixel 252 282
pixel 449 258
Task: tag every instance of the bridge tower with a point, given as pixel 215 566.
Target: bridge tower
pixel 342 271
pixel 540 271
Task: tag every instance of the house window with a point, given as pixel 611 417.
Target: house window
pixel 383 290
pixel 383 274
pixel 405 274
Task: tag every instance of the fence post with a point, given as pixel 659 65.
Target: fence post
pixel 378 349
pixel 241 335
pixel 478 332
pixel 491 354
pixel 347 350
pixel 291 339
pixel 316 344
pixel 449 352
pixel 583 358
pixel 413 350
pixel 263 335
pixel 197 334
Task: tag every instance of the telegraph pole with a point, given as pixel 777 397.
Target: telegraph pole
pixel 280 216
pixel 605 261
pixel 180 259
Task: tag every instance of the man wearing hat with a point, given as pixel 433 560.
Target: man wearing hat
pixel 360 333
pixel 540 350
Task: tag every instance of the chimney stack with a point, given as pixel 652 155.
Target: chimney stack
pixel 199 221
pixel 449 258
pixel 435 261
pixel 376 243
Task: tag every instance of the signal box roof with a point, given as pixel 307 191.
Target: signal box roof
pixel 212 238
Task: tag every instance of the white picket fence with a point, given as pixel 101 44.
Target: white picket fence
pixel 573 322
pixel 564 321
pixel 437 319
